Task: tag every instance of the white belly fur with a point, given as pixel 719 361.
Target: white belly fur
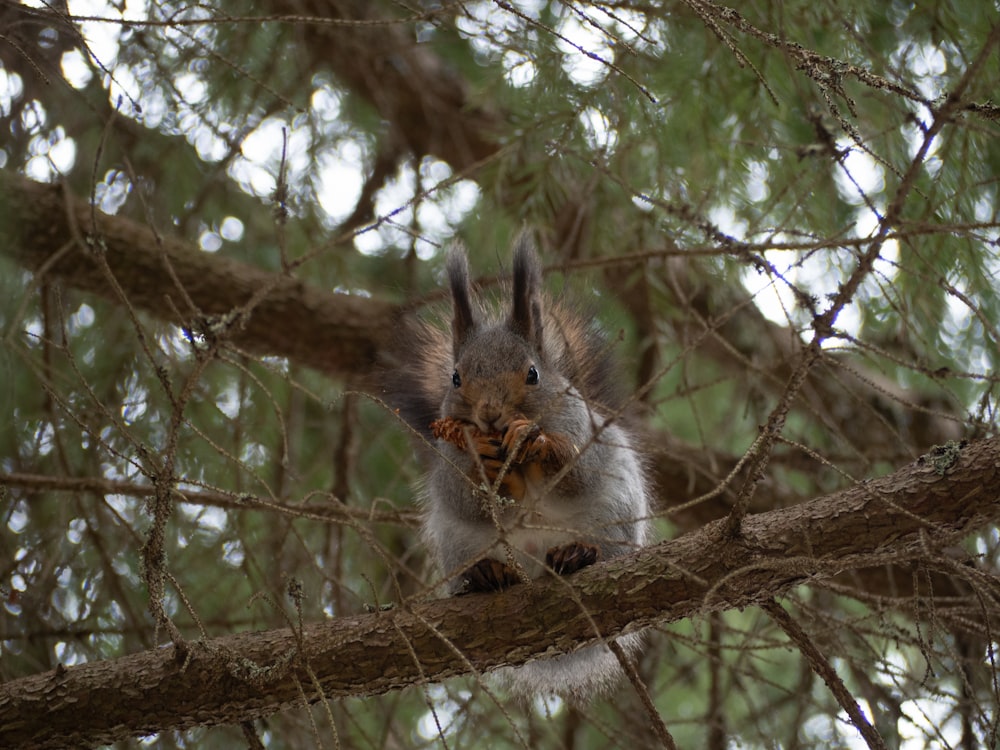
pixel 537 524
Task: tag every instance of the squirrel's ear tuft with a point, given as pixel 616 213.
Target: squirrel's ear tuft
pixel 526 312
pixel 464 322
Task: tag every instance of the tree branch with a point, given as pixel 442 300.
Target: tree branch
pixel 331 511
pixel 900 517
pixel 425 102
pixel 262 312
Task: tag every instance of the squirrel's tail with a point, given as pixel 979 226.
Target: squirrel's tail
pixel 415 370
pixel 577 677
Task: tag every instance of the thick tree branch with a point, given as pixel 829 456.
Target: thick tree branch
pixel 424 101
pixel 43 227
pixel 903 516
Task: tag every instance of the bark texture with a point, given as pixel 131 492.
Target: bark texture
pixel 58 235
pixel 911 513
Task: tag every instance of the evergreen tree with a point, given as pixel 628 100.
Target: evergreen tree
pixel 212 216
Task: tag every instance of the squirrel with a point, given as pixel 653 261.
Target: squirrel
pixel 532 469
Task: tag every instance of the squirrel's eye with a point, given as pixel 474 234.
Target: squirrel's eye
pixel 456 379
pixel 532 378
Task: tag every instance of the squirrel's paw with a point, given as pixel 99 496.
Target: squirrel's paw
pixel 490 462
pixel 569 558
pixel 525 437
pixel 489 448
pixel 490 455
pixel 489 575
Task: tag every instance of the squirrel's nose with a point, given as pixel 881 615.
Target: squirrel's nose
pixel 489 417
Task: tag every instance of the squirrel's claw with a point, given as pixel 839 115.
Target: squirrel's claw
pixel 525 437
pixel 489 447
pixel 489 575
pixel 569 558
pixel 491 457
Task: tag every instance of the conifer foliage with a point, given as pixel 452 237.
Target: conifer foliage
pixel 213 217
